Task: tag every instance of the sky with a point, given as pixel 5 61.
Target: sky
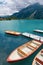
pixel 8 7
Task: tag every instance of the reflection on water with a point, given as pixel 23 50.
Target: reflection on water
pixel 9 42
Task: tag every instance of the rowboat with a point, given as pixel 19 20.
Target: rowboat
pixel 24 51
pixel 40 31
pixel 33 36
pixel 12 32
pixel 38 60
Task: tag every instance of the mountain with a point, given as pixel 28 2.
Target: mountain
pixel 34 11
pixel 39 13
pixel 8 7
pixel 28 11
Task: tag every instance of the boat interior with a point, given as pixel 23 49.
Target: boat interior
pixel 28 48
pixel 39 58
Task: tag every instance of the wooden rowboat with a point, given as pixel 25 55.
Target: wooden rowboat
pixel 24 51
pixel 38 60
pixel 39 31
pixel 12 32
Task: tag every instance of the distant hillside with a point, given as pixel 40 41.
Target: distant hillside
pixel 26 12
pixel 34 11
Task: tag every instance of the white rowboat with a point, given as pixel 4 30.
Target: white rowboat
pixel 40 31
pixel 24 51
pixel 38 60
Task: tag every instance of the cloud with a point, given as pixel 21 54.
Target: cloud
pixel 8 7
pixel 40 1
pixel 5 11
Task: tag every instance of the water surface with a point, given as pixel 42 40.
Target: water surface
pixel 9 42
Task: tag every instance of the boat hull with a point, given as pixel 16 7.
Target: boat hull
pixel 16 56
pixel 12 33
pixel 39 31
pixel 38 59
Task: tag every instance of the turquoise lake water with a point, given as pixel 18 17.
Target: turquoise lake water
pixel 9 42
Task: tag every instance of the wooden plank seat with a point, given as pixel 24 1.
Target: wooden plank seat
pixel 32 47
pixel 37 43
pixel 21 52
pixel 33 44
pixel 39 61
pixel 29 47
pixel 42 51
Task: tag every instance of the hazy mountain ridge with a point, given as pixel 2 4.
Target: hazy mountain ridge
pixel 28 11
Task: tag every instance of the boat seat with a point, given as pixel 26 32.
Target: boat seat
pixel 39 61
pixel 42 51
pixel 21 52
pixel 32 47
pixel 37 43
